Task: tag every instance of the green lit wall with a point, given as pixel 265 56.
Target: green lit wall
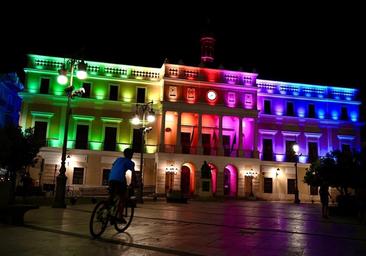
pixel 97 111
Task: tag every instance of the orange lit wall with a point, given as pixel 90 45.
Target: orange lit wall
pixel 190 125
pixel 171 120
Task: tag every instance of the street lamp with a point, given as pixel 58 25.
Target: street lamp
pixel 296 148
pixel 144 115
pixel 59 201
pixel 251 174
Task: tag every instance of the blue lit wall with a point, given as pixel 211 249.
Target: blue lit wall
pixel 329 127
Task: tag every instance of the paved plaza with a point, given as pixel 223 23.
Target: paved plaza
pixel 196 228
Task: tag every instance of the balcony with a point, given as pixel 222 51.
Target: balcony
pixel 209 151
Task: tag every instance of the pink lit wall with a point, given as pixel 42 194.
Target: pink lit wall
pixel 230 127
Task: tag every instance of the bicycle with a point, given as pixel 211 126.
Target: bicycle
pixel 105 212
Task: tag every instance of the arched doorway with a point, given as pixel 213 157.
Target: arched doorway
pixel 187 180
pixel 230 181
pixel 213 178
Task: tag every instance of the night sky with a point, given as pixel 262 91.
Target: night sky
pixel 311 44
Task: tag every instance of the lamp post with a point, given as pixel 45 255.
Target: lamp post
pixel 59 201
pixel 251 174
pixel 144 115
pixel 295 148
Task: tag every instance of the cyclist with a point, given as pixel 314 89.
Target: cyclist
pixel 117 180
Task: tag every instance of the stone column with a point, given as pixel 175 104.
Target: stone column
pixel 199 144
pixel 162 132
pixel 178 146
pixel 255 139
pixel 240 147
pixel 220 149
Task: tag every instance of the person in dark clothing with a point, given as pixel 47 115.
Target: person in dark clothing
pixel 27 184
pixel 324 199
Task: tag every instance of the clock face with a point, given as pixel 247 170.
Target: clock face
pixel 211 95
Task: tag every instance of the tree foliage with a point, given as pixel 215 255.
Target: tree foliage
pixel 17 148
pixel 341 170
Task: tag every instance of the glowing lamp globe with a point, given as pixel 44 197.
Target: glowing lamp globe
pixel 62 79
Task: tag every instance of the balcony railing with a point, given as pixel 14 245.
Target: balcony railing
pixel 97 145
pixel 211 151
pixel 284 158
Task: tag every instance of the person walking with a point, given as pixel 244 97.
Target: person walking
pixel 324 199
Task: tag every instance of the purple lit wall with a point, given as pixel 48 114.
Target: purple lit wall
pixel 321 115
pixel 248 134
pixel 230 127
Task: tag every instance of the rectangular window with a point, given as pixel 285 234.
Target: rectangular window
pixel 267 185
pixel 191 94
pixel 86 87
pixel 105 177
pixel 206 143
pixel 40 132
pixel 313 152
pixel 267 107
pixel 45 86
pixel 311 111
pixel 346 148
pixel 110 135
pixel 314 190
pixel 231 98
pixel 226 145
pixel 290 186
pixel 185 141
pixel 78 176
pixel 173 92
pixel 290 109
pixel 344 113
pixel 82 137
pixel 113 92
pixel 290 154
pixel 248 101
pixel 141 95
pixel 267 150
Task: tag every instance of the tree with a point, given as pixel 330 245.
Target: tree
pixel 341 170
pixel 18 150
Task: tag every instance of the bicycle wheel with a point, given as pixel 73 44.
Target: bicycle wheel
pixel 99 219
pixel 128 212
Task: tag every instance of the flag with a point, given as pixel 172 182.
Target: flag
pixel 234 142
pixel 214 137
pixel 192 135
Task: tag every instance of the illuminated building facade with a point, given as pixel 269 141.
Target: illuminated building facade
pixel 244 127
pixel 99 127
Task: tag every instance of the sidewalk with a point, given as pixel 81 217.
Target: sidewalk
pixel 196 228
